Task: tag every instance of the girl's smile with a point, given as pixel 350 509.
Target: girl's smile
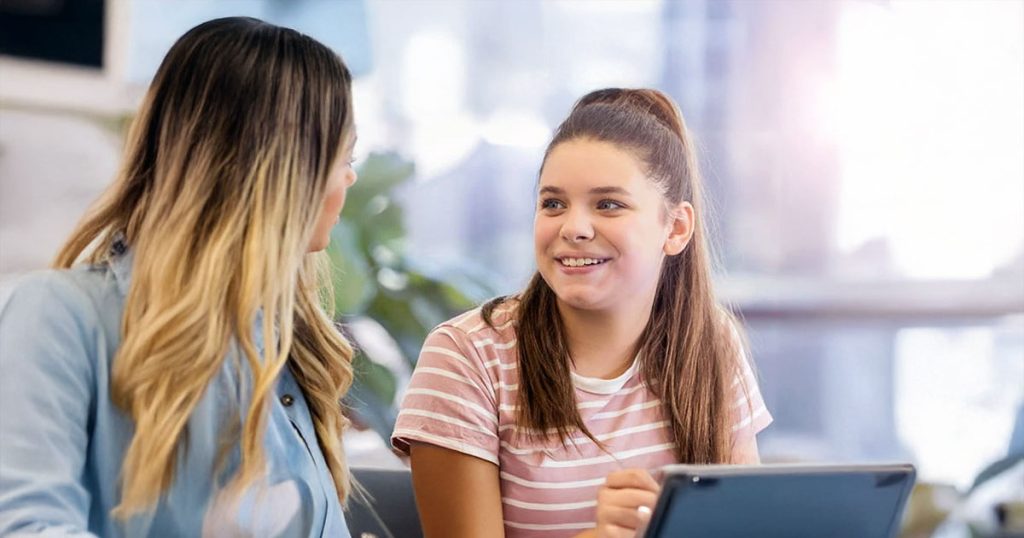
pixel 581 263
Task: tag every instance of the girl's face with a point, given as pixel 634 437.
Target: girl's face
pixel 339 179
pixel 602 229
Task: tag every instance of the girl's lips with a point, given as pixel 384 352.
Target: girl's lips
pixel 582 269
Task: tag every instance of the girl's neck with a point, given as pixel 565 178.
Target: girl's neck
pixel 602 343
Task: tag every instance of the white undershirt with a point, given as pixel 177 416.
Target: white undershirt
pixel 597 385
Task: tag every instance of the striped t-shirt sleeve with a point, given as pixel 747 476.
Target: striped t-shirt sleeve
pixel 749 413
pixel 450 401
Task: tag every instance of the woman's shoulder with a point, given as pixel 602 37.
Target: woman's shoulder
pixel 55 329
pixel 79 288
pixel 84 301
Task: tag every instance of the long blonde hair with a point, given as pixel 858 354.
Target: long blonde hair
pixel 690 348
pixel 224 173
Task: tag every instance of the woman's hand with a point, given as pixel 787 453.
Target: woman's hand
pixel 625 502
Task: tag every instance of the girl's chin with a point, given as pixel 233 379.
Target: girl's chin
pixel 581 301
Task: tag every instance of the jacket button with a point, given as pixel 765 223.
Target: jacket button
pixel 287 400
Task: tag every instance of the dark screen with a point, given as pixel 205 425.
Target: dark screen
pixel 68 31
pixel 839 505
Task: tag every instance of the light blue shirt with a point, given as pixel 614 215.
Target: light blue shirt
pixel 62 439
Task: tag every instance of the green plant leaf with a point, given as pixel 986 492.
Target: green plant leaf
pixel 374 278
pixel 354 285
pixel 385 228
pixel 378 175
pixel 378 379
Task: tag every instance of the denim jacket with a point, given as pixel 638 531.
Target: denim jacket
pixel 62 440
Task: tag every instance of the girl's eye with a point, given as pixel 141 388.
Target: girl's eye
pixel 551 203
pixel 605 205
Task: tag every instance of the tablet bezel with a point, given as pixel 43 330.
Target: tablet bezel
pixel 672 477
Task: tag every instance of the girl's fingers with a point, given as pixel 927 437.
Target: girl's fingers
pixel 619 500
pixel 615 531
pixel 632 478
pixel 626 498
pixel 620 506
pixel 620 516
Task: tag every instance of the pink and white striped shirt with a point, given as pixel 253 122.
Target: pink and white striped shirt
pixel 462 396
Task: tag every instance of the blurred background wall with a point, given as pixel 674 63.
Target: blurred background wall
pixel 865 159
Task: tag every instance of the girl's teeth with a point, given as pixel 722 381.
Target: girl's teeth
pixel 579 262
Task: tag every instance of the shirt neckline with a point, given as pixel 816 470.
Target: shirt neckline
pixel 597 385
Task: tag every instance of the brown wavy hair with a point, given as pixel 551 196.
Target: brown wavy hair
pixel 224 173
pixel 688 351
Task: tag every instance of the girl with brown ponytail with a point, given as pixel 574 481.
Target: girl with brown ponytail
pixel 542 414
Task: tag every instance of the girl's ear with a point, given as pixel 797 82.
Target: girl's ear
pixel 681 226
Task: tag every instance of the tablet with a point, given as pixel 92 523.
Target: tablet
pixel 725 501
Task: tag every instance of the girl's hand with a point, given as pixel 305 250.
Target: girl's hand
pixel 625 502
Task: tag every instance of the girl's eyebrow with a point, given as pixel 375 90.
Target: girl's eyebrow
pixel 609 190
pixel 596 190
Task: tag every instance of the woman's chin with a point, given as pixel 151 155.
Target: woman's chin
pixel 318 244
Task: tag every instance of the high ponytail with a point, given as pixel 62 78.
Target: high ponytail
pixel 652 102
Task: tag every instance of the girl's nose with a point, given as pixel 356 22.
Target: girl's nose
pixel 577 227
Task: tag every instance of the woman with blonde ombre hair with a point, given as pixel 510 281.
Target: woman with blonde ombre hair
pixel 184 378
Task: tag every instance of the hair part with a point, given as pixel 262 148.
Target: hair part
pixel 689 356
pixel 225 170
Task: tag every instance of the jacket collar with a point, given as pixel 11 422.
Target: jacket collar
pixel 120 263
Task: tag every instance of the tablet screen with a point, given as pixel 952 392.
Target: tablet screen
pixel 791 502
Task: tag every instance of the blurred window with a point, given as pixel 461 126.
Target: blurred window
pixel 864 160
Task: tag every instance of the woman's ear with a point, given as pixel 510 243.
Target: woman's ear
pixel 682 221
